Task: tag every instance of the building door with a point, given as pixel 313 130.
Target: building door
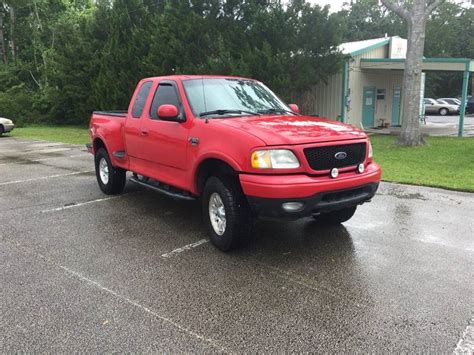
pixel 396 106
pixel 368 106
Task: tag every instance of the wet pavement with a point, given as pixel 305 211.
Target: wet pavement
pixel 436 126
pixel 81 271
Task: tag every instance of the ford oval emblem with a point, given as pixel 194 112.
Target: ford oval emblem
pixel 340 155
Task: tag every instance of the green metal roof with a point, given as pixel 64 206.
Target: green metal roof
pixel 468 63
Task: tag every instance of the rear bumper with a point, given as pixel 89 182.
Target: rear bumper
pixel 267 193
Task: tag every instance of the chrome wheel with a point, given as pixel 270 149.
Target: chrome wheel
pixel 104 171
pixel 217 214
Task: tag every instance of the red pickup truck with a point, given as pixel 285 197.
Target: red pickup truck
pixel 235 145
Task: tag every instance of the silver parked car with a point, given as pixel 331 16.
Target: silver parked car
pixel 434 107
pixel 6 125
pixel 450 100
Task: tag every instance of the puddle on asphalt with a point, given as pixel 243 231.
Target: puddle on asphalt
pixel 412 196
pixel 403 195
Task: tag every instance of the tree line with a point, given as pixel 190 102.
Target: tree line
pixel 61 59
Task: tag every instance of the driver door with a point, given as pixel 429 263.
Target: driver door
pixel 164 143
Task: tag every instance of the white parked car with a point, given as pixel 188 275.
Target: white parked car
pixel 6 125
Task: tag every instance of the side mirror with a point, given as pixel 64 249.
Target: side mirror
pixel 294 108
pixel 168 113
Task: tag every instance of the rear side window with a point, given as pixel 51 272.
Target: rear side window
pixel 165 94
pixel 140 100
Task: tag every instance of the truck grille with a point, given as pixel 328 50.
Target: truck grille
pixel 324 158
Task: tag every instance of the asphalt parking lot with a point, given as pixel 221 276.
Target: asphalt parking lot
pixel 450 119
pixel 85 272
pixel 448 125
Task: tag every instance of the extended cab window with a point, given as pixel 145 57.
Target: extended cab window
pixel 140 100
pixel 166 94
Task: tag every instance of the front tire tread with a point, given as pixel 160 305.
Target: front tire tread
pixel 238 219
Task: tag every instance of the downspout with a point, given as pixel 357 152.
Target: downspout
pixel 345 77
pixel 462 108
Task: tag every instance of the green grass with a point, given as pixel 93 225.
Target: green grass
pixel 64 134
pixel 443 162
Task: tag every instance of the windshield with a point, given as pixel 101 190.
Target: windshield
pixel 227 96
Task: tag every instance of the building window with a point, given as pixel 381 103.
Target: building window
pixel 380 94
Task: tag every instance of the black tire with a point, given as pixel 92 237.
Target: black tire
pixel 116 176
pixel 1 130
pixel 336 217
pixel 443 111
pixel 236 211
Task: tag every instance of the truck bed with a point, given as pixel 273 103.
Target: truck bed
pixel 111 113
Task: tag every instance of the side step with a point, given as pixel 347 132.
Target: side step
pixel 164 189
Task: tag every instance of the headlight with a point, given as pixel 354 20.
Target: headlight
pixel 371 152
pixel 274 159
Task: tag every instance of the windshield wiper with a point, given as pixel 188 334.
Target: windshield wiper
pixel 225 112
pixel 276 111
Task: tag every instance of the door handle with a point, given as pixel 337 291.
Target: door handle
pixel 144 132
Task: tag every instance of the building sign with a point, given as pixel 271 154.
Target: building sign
pixel 398 48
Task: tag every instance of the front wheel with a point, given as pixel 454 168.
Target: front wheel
pixel 225 213
pixel 111 180
pixel 336 217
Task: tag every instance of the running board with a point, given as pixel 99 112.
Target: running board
pixel 164 189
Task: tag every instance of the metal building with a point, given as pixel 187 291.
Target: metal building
pixel 367 92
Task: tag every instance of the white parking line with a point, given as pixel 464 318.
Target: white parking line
pixel 186 247
pixel 80 204
pixel 465 345
pixel 145 309
pixel 151 312
pixel 45 177
pixel 44 159
pixel 17 142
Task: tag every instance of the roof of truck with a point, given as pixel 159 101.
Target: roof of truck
pixel 188 77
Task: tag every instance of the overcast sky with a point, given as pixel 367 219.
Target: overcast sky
pixel 336 5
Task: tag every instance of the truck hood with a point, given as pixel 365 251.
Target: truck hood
pixel 288 130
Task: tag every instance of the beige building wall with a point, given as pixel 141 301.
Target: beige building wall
pixel 358 79
pixel 380 79
pixel 326 98
pixel 381 52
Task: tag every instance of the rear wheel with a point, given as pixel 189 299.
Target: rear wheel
pixel 225 213
pixel 111 180
pixel 1 130
pixel 443 111
pixel 336 217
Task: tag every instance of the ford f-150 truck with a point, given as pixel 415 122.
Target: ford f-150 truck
pixel 232 143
